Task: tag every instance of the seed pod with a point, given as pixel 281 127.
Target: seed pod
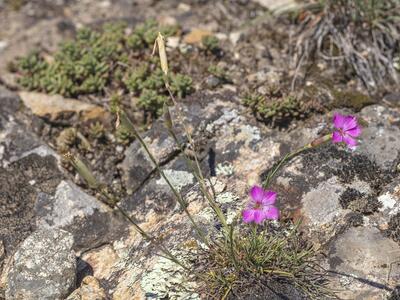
pixel 82 169
pixel 167 117
pixel 160 41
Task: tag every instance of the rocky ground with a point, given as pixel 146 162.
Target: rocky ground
pixel 57 241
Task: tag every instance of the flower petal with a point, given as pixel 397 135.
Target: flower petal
pixel 355 132
pixel 257 193
pixel 349 122
pixel 259 216
pixel 272 213
pixel 269 198
pixel 349 141
pixel 248 215
pixel 337 137
pixel 338 120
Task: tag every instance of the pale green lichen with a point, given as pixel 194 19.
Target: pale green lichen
pixel 167 280
pixel 226 197
pixel 179 179
pixel 224 169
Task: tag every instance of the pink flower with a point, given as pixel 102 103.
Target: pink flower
pixel 260 206
pixel 347 128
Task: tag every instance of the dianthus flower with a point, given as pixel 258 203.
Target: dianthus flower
pixel 260 206
pixel 347 129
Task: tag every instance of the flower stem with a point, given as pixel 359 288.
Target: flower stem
pixel 126 122
pixel 231 246
pixel 200 179
pixel 160 42
pixel 315 143
pixel 88 176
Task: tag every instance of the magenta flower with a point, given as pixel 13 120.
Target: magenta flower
pixel 260 206
pixel 347 129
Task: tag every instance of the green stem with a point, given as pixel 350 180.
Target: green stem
pixel 126 122
pixel 317 142
pixel 231 244
pixel 228 290
pixel 198 173
pixel 84 171
pixel 162 248
pixel 200 179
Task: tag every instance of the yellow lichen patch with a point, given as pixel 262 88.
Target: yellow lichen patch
pixel 196 36
pixel 102 261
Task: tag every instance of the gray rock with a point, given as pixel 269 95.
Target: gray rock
pixel 43 267
pixel 137 166
pixel 91 222
pixel 380 141
pixel 20 184
pixel 155 194
pixel 361 257
pixel 212 81
pixel 278 7
pixel 235 37
pixel 16 141
pixel 68 203
pixel 200 113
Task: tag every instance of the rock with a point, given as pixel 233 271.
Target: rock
pixel 3 45
pixel 235 37
pixel 278 7
pixel 362 257
pixel 69 202
pixel 3 275
pixel 101 261
pixel 221 36
pixel 43 267
pixel 269 77
pixel 90 289
pixel 196 35
pixel 16 141
pixel 348 201
pixel 212 81
pixel 137 167
pixel 380 141
pixel 91 222
pixel 392 99
pixel 53 106
pixel 155 195
pixel 183 7
pixel 18 196
pixel 173 42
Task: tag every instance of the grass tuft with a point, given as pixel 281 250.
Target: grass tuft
pixel 359 35
pixel 262 256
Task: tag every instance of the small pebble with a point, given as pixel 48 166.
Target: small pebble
pixel 119 149
pixel 212 81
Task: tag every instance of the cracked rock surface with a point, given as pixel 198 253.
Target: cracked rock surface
pixel 44 267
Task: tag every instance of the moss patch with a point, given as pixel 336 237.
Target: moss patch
pixel 276 108
pixel 351 99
